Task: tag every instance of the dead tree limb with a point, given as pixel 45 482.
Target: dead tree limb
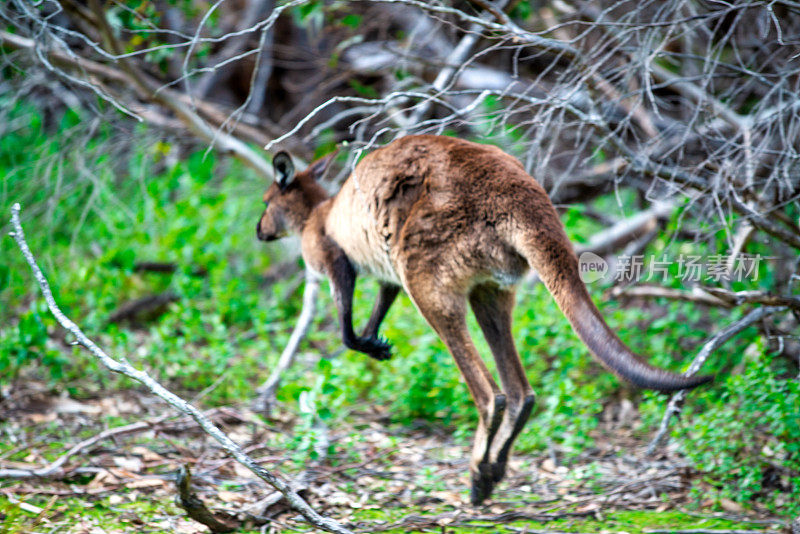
pixel 627 230
pixel 716 341
pixel 124 367
pixel 55 470
pixel 713 296
pixel 149 90
pixel 255 11
pixel 696 294
pixel 196 509
pixel 455 61
pixel 256 97
pixel 265 398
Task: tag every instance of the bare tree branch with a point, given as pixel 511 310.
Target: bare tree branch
pixel 627 230
pixel 712 296
pixel 122 366
pixel 716 341
pixel 256 11
pixel 196 124
pixel 265 395
pixel 455 62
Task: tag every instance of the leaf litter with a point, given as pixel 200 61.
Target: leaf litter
pixel 374 477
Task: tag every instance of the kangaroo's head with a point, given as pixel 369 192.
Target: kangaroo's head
pixel 291 198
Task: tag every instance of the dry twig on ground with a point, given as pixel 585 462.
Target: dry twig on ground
pixel 56 470
pixel 196 509
pixel 717 340
pixel 122 366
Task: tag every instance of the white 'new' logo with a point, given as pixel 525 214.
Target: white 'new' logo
pixel 592 267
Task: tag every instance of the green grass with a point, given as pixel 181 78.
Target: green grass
pixel 73 513
pixel 95 206
pixel 129 516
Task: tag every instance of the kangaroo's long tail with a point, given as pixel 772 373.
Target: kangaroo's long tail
pixel 543 242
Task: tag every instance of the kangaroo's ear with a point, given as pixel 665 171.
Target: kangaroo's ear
pixel 318 168
pixel 284 169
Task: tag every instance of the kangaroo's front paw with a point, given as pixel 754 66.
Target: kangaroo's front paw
pixel 373 346
pixel 378 348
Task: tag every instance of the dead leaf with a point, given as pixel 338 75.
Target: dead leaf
pixel 65 405
pixel 121 473
pixel 730 506
pixel 183 526
pixel 147 482
pixel 39 418
pixel 592 506
pixel 549 465
pixel 146 454
pixel 128 462
pixel 232 496
pixel 449 497
pixel 102 479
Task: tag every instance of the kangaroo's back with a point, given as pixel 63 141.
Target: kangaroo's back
pixel 423 191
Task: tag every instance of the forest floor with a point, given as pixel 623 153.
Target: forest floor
pixel 369 475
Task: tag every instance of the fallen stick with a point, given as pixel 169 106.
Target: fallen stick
pixel 55 469
pixel 712 296
pixel 137 309
pixel 195 507
pixel 122 366
pixel 627 230
pixel 696 294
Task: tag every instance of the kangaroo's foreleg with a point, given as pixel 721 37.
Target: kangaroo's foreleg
pixel 446 313
pixel 386 296
pixel 343 281
pixel 492 307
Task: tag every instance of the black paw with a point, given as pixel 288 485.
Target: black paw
pixel 382 350
pixel 482 484
pixel 375 347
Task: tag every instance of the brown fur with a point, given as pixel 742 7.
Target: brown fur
pixel 450 222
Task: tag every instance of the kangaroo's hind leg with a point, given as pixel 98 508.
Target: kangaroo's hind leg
pixel 492 306
pixel 445 310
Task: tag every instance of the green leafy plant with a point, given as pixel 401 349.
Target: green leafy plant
pixel 748 441
pixel 27 343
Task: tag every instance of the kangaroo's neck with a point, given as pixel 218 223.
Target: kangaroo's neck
pixel 311 197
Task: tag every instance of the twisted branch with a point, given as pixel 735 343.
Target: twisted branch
pixel 122 366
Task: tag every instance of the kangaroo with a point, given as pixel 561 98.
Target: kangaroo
pixel 449 221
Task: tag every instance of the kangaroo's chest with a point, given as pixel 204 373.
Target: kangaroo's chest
pixel 356 226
